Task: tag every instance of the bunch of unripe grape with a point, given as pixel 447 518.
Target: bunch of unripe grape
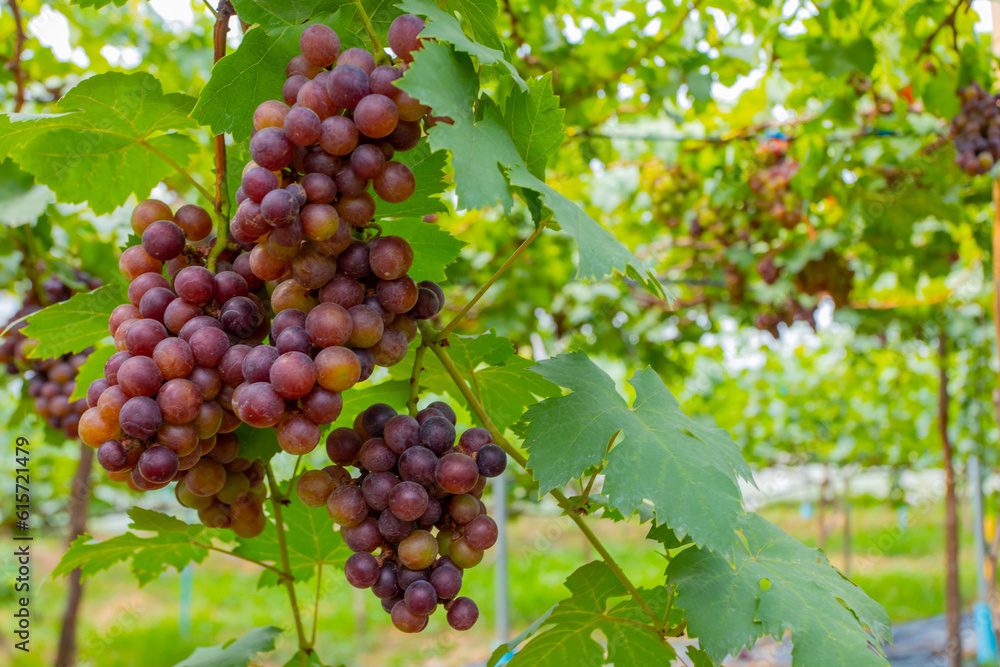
pixel 975 130
pixel 773 196
pixel 51 382
pixel 413 478
pixel 674 191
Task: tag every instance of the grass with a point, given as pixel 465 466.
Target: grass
pixel 125 626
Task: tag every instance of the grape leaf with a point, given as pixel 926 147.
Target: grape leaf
pixel 98 4
pixel 773 585
pixel 444 26
pixel 483 150
pixel 174 545
pixel 312 660
pixel 481 16
pixel 73 325
pixel 434 249
pixel 114 137
pixel 688 471
pixel 535 121
pixel 255 72
pixel 428 171
pixel 571 625
pixel 257 443
pixel 92 369
pixel 236 653
pixel 311 542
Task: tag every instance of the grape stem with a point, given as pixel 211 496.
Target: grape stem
pixel 15 66
pixel 489 283
pixel 418 367
pixel 564 502
pixel 221 199
pixel 279 525
pixel 281 573
pixel 319 592
pixel 369 28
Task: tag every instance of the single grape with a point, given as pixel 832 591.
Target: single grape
pixel 408 501
pixel 328 325
pixel 322 406
pixel 391 348
pixel 271 149
pixel 314 487
pixel 339 135
pixel 376 488
pixel 154 303
pixel 376 456
pixel 362 570
pixel 376 116
pixel 297 435
pixel 143 336
pixel 302 126
pixel 463 555
pixel 353 263
pixel 437 434
pixel 356 210
pixel 257 363
pixel 428 305
pixel 463 614
pixel 343 445
pixel 405 620
pixel 113 456
pixel 445 410
pixel 399 295
pixel 135 261
pixel 393 528
pixel 346 506
pixel 418 464
pixel 312 95
pixel 320 188
pixel 139 376
pixel 363 537
pixel 260 406
pixel 158 464
pixel 207 380
pixel 418 550
pixel 407 577
pixel 407 134
pixel 491 460
pixel 404 35
pixel 463 508
pixel 147 212
pixel 163 240
pixel 390 257
pixel 337 368
pixel 396 182
pixel 208 345
pixel 349 183
pixel 359 58
pixel 367 161
pixel 447 581
pixel 294 339
pixel 375 417
pixel 292 375
pixel 206 478
pixel 312 269
pixel 381 80
pixel 179 401
pixel 456 473
pixel 401 433
pixel 195 221
pixel 320 45
pixel 269 114
pixel 344 291
pixel 347 84
pixel 367 362
pixel 421 598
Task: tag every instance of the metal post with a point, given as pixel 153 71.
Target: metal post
pixel 986 648
pixel 501 586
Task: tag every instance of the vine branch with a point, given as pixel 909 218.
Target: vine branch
pixel 224 12
pixel 489 283
pixel 477 407
pixel 16 65
pixel 948 21
pixel 283 575
pixel 279 525
pixel 418 367
pixel 369 28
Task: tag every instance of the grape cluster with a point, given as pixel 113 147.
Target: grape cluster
pixel 317 153
pixel 975 130
pixel 829 274
pixel 771 187
pixel 163 411
pixel 674 191
pixel 413 478
pixel 51 382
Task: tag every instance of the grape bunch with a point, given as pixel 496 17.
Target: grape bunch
pixel 163 411
pixel 413 479
pixel 674 191
pixel 975 130
pixel 51 382
pixel 771 187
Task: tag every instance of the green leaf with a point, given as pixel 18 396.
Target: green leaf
pixel 428 171
pixel 73 325
pixel 434 249
pixel 445 27
pixel 312 660
pixel 92 369
pixel 98 4
pixel 483 149
pixel 698 657
pixel 535 121
pixel 257 443
pixel 776 584
pixel 530 631
pixel 234 653
pixel 173 546
pixel 114 137
pixel 569 637
pixel 688 471
pixel 481 15
pixel 311 542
